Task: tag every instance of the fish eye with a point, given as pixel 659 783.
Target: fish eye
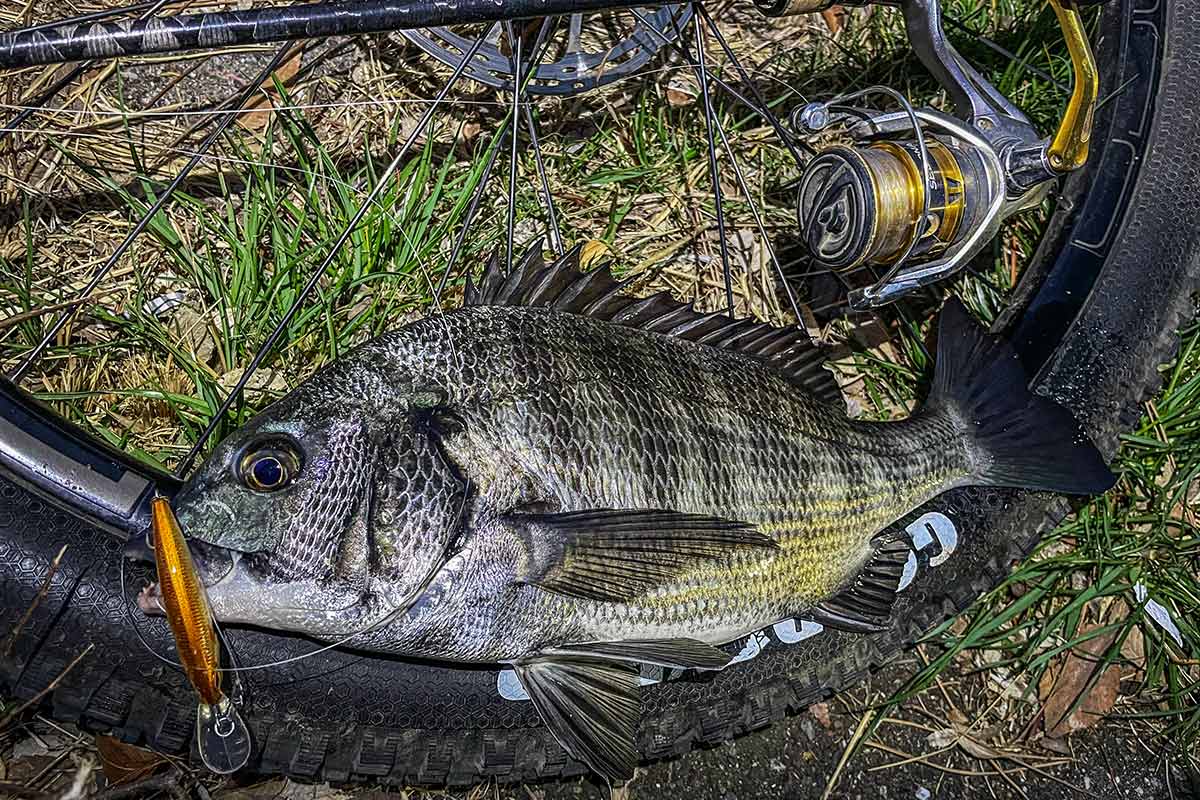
pixel 269 467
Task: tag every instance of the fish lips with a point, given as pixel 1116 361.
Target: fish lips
pixel 213 564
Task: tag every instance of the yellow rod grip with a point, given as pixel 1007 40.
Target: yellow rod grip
pixel 1069 148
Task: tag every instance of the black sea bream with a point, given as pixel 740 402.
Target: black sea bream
pixel 570 480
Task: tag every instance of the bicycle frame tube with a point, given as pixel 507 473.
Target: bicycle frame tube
pixel 130 37
pixel 80 473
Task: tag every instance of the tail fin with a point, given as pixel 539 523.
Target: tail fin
pixel 1021 440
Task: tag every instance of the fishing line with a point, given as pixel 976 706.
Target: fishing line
pixel 392 613
pixel 133 623
pixel 385 619
pixel 150 648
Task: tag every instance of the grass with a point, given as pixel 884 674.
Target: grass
pixel 148 363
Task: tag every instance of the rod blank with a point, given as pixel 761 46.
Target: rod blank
pixel 78 41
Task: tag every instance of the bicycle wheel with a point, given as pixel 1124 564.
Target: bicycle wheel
pixel 1093 316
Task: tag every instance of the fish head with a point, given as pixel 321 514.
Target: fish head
pixel 331 504
pixel 277 514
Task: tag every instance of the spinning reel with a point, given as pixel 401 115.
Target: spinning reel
pixel 915 193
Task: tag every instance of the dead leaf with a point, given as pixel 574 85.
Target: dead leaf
pixel 941 739
pixel 682 91
pixel 124 763
pixel 835 17
pixel 592 250
pixel 257 120
pixel 1060 746
pixel 1061 688
pixel 821 712
pixel 1134 647
pixel 978 748
pixel 262 384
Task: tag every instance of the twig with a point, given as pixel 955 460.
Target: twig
pixel 79 785
pixel 50 688
pixel 11 639
pixel 166 782
pixel 11 789
pixel 34 313
pixel 858 734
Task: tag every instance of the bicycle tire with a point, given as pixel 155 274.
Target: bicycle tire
pixel 1110 284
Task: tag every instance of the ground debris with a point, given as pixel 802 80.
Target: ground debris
pixel 124 763
pixel 1073 695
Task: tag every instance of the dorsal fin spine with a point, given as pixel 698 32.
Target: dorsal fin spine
pixel 562 286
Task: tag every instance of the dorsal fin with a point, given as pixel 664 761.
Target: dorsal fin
pixel 562 286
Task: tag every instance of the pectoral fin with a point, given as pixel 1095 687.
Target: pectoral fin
pixel 681 653
pixel 590 705
pixel 616 555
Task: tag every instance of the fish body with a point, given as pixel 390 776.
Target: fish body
pixel 618 418
pixel 571 480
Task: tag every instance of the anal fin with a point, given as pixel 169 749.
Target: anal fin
pixel 865 604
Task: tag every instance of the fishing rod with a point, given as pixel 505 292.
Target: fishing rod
pixel 76 41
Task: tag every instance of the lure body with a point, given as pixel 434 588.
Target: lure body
pixel 223 739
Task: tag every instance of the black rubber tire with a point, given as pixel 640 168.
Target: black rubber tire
pixel 345 717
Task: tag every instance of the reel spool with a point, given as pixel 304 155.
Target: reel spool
pixel 871 204
pixel 912 193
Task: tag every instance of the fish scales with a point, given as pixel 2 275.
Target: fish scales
pixel 618 418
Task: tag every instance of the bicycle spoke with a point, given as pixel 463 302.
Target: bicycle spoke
pixel 35 105
pixel 745 188
pixel 682 51
pixel 784 135
pixel 518 86
pixel 14 124
pixel 236 392
pixel 469 215
pixel 556 243
pixel 713 171
pixel 758 223
pixel 102 272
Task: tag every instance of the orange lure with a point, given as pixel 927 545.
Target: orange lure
pixel 185 604
pixel 221 735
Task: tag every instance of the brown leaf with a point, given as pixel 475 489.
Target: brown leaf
pixel 123 763
pixel 834 17
pixel 1134 647
pixel 592 250
pixel 682 90
pixel 257 120
pixel 821 712
pixel 1061 688
pixel 978 748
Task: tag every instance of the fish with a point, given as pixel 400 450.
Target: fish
pixel 571 481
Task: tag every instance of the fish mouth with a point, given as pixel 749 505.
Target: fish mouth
pixel 214 565
pixel 149 600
